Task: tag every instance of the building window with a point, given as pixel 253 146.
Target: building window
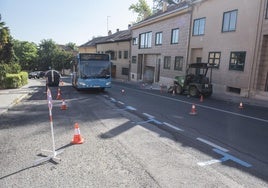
pixel 119 54
pixel 145 40
pixel 134 59
pixel 125 54
pixel 266 13
pixel 125 71
pixel 237 61
pixel 229 21
pixel 134 41
pixel 178 63
pixel 214 59
pixel 175 36
pixel 158 38
pixel 167 62
pixel 199 26
pixel 112 54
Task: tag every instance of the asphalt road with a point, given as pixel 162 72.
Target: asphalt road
pixel 243 132
pixel 124 145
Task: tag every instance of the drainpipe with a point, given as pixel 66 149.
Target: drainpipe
pixel 189 36
pixel 253 73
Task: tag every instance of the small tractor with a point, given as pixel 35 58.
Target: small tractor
pixel 195 83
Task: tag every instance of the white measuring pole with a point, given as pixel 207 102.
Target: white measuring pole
pixel 53 156
pixel 52 132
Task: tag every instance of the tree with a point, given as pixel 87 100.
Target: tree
pixel 7 54
pixel 53 56
pixel 3 34
pixel 142 8
pixel 72 46
pixel 26 52
pixel 46 53
pixel 62 59
pixel 158 4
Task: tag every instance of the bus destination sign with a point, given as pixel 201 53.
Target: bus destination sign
pixel 90 57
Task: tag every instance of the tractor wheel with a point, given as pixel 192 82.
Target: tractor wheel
pixel 193 92
pixel 208 94
pixel 170 89
pixel 178 89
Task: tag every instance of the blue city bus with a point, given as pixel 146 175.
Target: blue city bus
pixel 92 71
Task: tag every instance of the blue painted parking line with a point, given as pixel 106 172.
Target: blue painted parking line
pixel 230 157
pixel 156 122
pixel 142 122
pixel 225 157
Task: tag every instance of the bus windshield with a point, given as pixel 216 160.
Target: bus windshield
pixel 95 69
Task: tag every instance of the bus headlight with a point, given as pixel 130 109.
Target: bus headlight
pixel 81 83
pixel 108 83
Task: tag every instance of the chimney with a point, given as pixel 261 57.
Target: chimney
pixel 164 9
pixel 129 26
pixel 117 30
pixel 109 33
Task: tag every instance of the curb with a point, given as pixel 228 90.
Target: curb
pixel 14 102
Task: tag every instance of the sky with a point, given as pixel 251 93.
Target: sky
pixel 64 21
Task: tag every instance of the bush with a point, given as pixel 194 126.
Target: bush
pixel 12 81
pixel 24 77
pixel 11 77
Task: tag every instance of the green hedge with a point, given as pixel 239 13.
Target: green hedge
pixel 24 78
pixel 11 76
pixel 15 80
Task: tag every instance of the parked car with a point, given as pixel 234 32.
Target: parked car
pixel 36 74
pixel 52 78
pixel 32 75
pixel 40 74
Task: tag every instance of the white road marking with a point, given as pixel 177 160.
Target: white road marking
pixel 120 102
pixel 113 99
pixel 209 162
pixel 173 127
pixel 148 115
pixel 212 144
pixel 130 108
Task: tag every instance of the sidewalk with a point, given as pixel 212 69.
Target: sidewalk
pixel 11 97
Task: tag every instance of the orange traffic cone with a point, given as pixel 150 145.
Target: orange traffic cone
pixel 241 105
pixel 63 105
pixel 59 94
pixel 77 139
pixel 201 98
pixel 193 110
